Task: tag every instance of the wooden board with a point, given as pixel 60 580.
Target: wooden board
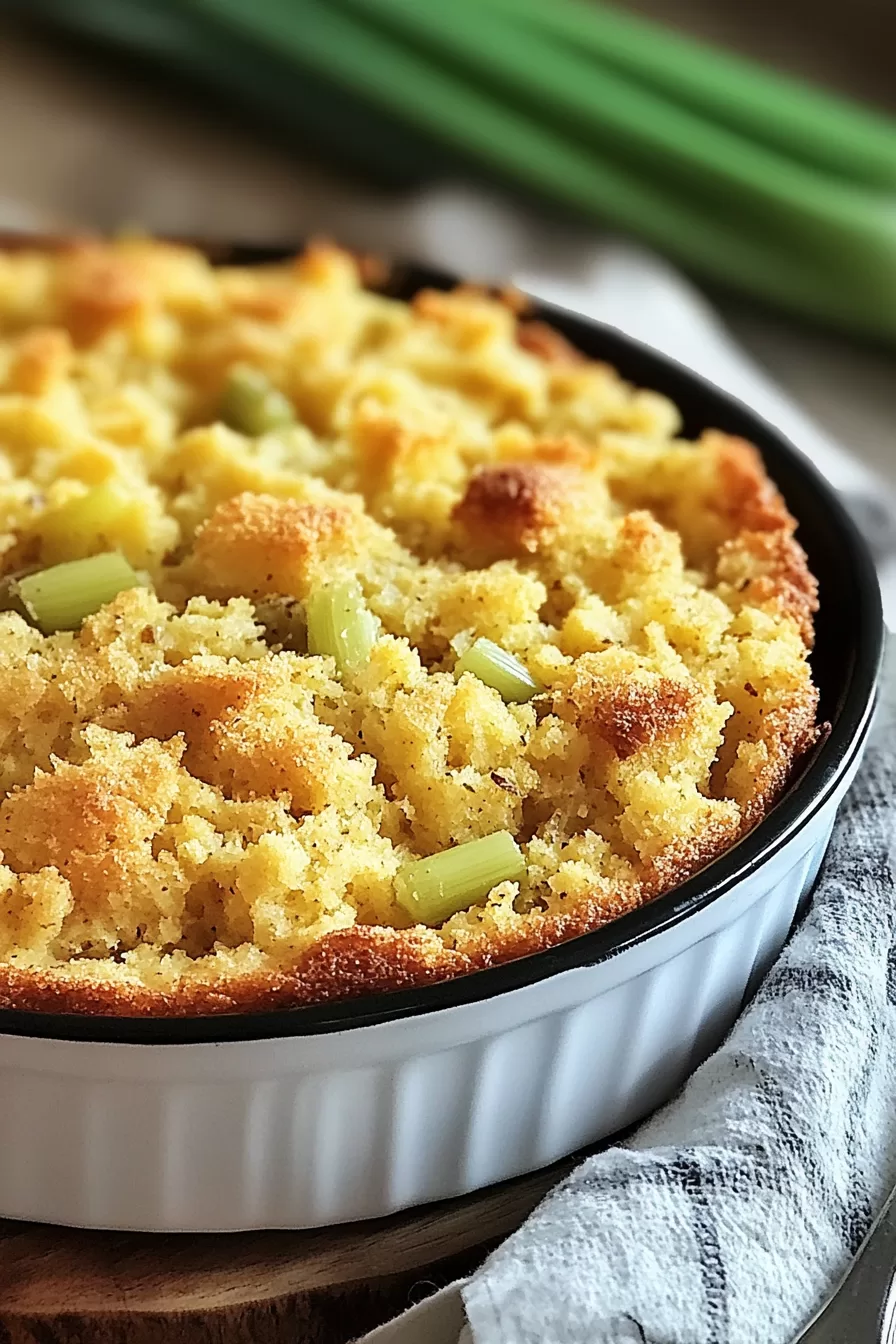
pixel 67 1286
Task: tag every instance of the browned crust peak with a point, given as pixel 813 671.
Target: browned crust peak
pixel 285 533
pixel 220 713
pixel 783 575
pixel 98 289
pixel 518 502
pixel 750 498
pixel 42 357
pixel 101 828
pixel 763 558
pixel 631 714
pixel 547 344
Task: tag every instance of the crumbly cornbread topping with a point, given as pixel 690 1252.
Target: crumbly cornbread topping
pixel 199 815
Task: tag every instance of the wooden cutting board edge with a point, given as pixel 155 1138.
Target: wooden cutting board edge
pixel 322 1286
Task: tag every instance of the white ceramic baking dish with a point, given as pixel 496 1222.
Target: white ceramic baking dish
pixel 324 1115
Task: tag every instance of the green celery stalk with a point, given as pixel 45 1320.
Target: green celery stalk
pixel 590 102
pixel 313 64
pixel 340 624
pixel 521 148
pixel 347 129
pixel 808 124
pixel 251 404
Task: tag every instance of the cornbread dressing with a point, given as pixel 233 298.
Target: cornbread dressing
pixel 199 816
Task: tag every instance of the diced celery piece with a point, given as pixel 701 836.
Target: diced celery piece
pixel 252 404
pixel 432 890
pixel 340 623
pixel 59 598
pixel 499 669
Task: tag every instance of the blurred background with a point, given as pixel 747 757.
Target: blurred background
pixel 789 227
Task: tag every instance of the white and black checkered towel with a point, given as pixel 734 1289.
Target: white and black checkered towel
pixel 731 1213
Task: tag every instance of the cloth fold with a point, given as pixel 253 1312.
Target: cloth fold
pixel 731 1213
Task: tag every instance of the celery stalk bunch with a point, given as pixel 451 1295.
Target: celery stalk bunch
pixel 746 177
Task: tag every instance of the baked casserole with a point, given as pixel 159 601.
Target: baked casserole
pixel 350 644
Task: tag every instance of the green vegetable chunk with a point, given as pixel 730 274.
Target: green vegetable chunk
pixel 339 623
pixel 432 890
pixel 499 669
pixel 59 598
pixel 252 404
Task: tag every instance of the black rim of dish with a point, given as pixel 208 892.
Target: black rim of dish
pixel 849 647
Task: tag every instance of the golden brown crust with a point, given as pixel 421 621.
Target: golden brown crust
pixel 565 451
pixel 629 714
pixel 517 505
pixel 322 258
pixel 789 730
pixel 770 567
pixel 344 965
pixel 219 711
pixel 256 546
pixel 97 289
pixel 548 344
pixel 746 494
pixel 43 357
pixel 762 556
pixel 272 304
pixel 91 828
